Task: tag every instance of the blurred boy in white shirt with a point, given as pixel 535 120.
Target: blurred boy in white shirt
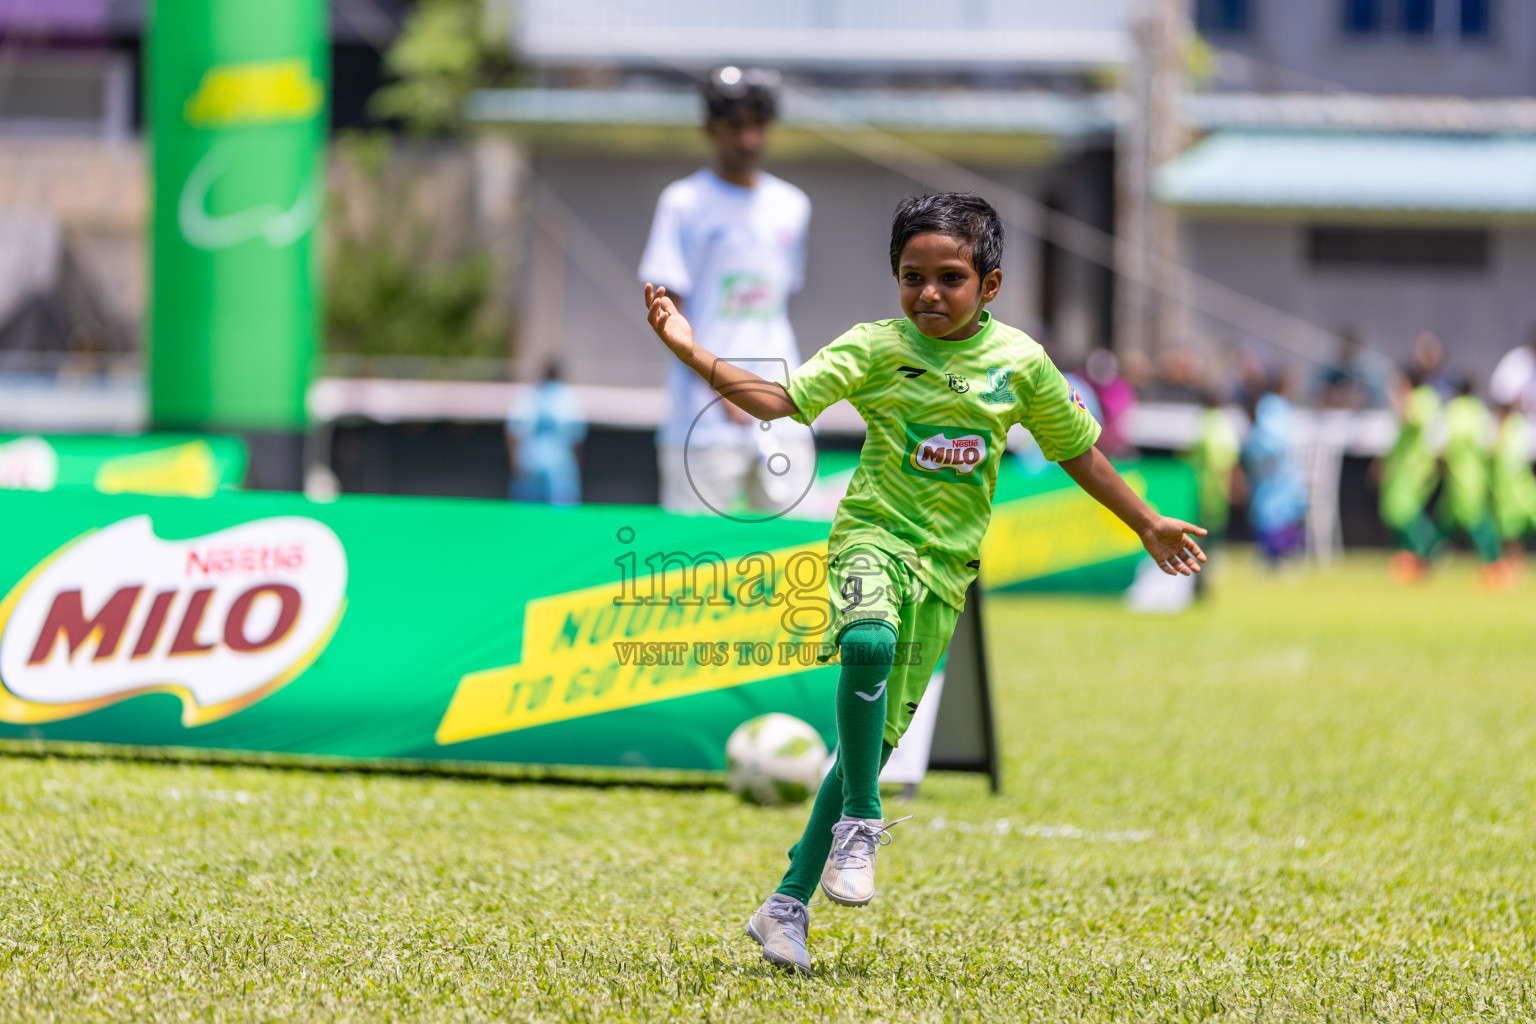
pixel 729 240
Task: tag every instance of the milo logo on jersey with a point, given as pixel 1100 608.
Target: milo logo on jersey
pixel 948 453
pixel 747 296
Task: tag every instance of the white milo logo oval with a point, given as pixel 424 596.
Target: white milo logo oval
pixel 961 454
pixel 221 620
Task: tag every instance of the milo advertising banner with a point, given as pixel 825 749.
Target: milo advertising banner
pixel 397 628
pixel 193 466
pixel 1048 535
pixel 400 629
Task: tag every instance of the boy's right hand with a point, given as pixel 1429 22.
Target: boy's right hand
pixel 670 325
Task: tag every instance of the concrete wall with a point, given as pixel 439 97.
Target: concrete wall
pixel 1300 45
pixel 602 214
pixel 94 193
pixel 1478 314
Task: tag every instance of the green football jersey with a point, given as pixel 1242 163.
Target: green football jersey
pixel 936 415
pixel 1410 471
pixel 1467 425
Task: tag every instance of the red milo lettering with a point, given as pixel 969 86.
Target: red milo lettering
pixel 186 641
pixel 67 617
pixel 68 621
pixel 154 623
pixel 235 637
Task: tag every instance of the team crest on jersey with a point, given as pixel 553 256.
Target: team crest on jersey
pixel 948 453
pixel 997 392
pixel 958 384
pixel 1077 400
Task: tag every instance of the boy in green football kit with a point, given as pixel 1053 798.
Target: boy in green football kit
pixel 1513 489
pixel 938 390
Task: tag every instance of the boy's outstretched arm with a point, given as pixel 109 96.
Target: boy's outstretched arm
pixel 1166 540
pixel 746 390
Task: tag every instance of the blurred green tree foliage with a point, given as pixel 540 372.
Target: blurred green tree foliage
pixel 384 297
pixel 446 49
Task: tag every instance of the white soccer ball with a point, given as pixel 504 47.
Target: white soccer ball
pixel 774 759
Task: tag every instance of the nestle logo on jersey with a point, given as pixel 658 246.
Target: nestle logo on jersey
pixel 949 453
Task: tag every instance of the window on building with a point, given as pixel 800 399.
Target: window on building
pixel 1362 17
pixel 69 93
pixel 1418 17
pixel 1476 19
pixel 1398 248
pixel 1222 17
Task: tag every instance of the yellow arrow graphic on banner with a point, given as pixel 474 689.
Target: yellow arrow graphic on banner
pixel 1053 532
pixel 590 651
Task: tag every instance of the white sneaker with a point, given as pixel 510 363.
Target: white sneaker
pixel 780 926
pixel 849 877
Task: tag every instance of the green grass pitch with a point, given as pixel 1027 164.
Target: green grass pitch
pixel 1308 799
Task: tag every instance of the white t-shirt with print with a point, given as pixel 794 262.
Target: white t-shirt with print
pixel 736 255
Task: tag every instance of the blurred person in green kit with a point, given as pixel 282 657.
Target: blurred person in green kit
pixel 1409 474
pixel 1214 458
pixel 1218 473
pixel 1464 503
pixel 1513 487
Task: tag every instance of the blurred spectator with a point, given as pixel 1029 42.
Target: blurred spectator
pixel 1116 399
pixel 1250 380
pixel 1463 506
pixel 1351 382
pixel 1429 362
pixel 1514 378
pixel 728 243
pixel 1178 378
pixel 1513 487
pixel 1218 476
pixel 1409 475
pixel 1278 506
pixel 545 430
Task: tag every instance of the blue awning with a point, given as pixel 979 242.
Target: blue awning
pixel 1451 175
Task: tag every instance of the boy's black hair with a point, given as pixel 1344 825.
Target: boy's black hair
pixel 961 215
pixel 732 91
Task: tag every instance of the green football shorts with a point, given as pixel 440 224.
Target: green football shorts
pixel 866 584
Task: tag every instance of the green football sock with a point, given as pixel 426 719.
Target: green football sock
pixel 852 787
pixel 868 650
pixel 1486 539
pixel 1421 536
pixel 807 857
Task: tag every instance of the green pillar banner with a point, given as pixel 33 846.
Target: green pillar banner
pixel 237 105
